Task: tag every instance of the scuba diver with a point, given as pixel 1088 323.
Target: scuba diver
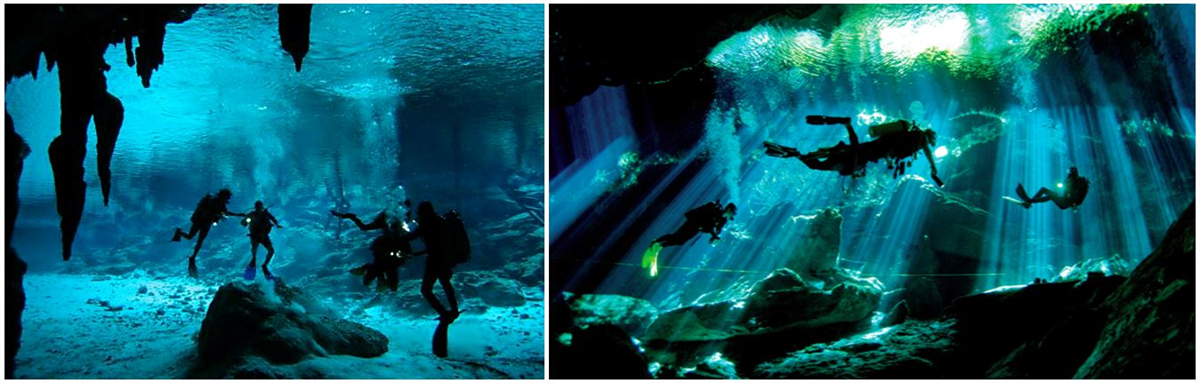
pixel 447 245
pixel 260 221
pixel 433 230
pixel 708 218
pixel 894 141
pixel 389 251
pixel 210 210
pixel 1075 189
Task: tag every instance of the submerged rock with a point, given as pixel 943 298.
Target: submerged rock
pixel 816 251
pixel 781 301
pixel 1151 332
pixel 781 313
pixel 598 352
pixel 281 325
pixel 630 314
pixel 906 351
pixel 1114 265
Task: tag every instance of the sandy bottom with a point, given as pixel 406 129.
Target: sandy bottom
pixel 102 327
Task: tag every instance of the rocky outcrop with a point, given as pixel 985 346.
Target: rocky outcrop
pixel 816 250
pixel 781 313
pixel 1114 265
pixel 248 324
pixel 1046 317
pixel 598 352
pixel 652 43
pixel 1151 331
pixel 630 314
pixel 908 351
pixel 15 151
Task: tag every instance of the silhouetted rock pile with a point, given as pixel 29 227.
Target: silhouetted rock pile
pixel 250 327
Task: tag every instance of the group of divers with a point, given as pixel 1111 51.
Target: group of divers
pixel 894 142
pixel 444 237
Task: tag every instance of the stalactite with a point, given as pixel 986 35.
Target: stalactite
pixel 109 116
pixel 294 23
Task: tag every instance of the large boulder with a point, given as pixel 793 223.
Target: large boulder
pixel 781 301
pixel 276 323
pixel 630 314
pixel 1151 332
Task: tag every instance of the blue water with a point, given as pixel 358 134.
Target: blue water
pixel 425 102
pixel 1016 94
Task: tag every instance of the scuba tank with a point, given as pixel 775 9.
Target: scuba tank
pixel 876 131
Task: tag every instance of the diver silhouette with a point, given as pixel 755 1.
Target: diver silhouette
pixel 894 142
pixel 447 245
pixel 389 251
pixel 210 210
pixel 708 218
pixel 432 228
pixel 1074 190
pixel 260 221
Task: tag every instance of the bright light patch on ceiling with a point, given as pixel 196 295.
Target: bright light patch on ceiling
pixel 945 30
pixel 941 152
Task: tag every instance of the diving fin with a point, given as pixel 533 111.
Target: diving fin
pixel 650 258
pixel 192 271
pixel 249 274
pixel 267 274
pixel 178 235
pixel 1021 193
pixel 360 270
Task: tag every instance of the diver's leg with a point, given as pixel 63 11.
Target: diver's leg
pixel 200 240
pixel 451 299
pixel 392 276
pixel 1043 195
pixel 427 280
pixel 679 237
pixel 253 254
pixel 191 232
pixel 270 253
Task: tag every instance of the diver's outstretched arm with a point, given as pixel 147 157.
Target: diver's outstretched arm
pixel 932 167
pixel 375 225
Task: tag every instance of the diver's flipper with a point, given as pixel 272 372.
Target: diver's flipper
pixel 650 258
pixel 360 270
pixel 178 235
pixel 249 274
pixel 776 150
pixel 192 271
pixel 440 339
pixel 1021 193
pixel 1024 204
pixel 267 274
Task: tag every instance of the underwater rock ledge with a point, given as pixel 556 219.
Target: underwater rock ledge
pixel 249 329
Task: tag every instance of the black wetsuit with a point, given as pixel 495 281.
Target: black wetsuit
pixel 261 223
pixel 438 265
pixel 208 211
pixel 389 251
pixel 709 218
